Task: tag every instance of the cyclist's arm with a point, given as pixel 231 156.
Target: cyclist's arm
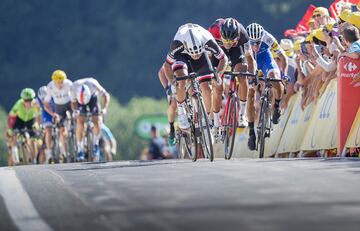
pixel 162 76
pixel 14 109
pixel 249 58
pixel 176 47
pixel 283 62
pixel 106 99
pixel 219 54
pixel 48 108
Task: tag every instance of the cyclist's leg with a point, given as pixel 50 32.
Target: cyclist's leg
pixel 61 111
pixel 47 125
pixel 31 141
pixel 180 68
pixel 171 113
pixel 243 93
pixel 80 121
pixel 279 90
pixel 217 95
pixel 18 124
pixel 94 108
pixel 9 146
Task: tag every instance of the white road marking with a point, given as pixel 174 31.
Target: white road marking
pixel 18 203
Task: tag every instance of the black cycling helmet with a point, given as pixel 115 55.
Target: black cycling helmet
pixel 230 29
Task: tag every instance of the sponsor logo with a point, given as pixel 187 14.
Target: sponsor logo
pixel 350 67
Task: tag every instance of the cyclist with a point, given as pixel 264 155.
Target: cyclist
pixel 171 112
pixel 107 143
pixel 59 90
pixel 188 53
pixel 24 115
pixel 85 93
pixel 262 43
pixel 46 120
pixel 235 43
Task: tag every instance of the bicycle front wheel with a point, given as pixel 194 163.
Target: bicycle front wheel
pixel 264 117
pixel 230 127
pixel 205 138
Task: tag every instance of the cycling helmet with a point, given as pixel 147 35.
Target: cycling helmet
pixel 27 94
pixel 214 29
pixel 83 94
pixel 58 75
pixel 42 93
pixel 255 31
pixel 230 29
pixel 193 42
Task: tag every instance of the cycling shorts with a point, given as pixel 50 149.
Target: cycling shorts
pixel 92 107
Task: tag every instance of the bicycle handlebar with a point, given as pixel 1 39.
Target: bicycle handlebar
pixel 240 73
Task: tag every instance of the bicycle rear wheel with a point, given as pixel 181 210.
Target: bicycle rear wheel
pixel 230 127
pixel 205 139
pixel 264 117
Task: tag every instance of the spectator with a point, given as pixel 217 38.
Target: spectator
pixel 321 17
pixel 351 38
pixel 157 146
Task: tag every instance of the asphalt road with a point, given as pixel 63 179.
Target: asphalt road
pixel 240 194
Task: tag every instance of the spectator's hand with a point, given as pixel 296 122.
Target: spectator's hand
pixel 297 86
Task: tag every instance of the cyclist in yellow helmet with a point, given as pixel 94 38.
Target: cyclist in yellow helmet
pixel 59 89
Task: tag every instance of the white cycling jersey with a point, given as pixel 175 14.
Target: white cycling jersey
pixel 93 84
pixel 61 95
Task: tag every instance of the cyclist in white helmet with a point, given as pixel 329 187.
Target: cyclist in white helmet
pixel 188 53
pixel 85 98
pixel 262 43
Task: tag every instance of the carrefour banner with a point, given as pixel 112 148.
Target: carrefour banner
pixel 321 133
pixel 354 135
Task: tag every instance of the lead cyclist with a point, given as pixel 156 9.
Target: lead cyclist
pixel 188 53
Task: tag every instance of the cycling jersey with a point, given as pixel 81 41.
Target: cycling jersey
pixel 263 56
pixel 177 47
pixel 95 88
pixel 23 113
pixel 269 43
pixel 60 96
pixel 46 117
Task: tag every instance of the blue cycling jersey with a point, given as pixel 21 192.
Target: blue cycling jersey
pixel 46 117
pixel 264 58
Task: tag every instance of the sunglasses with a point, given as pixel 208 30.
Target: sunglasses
pixel 229 41
pixel 27 100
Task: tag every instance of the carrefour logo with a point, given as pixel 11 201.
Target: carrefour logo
pixel 350 67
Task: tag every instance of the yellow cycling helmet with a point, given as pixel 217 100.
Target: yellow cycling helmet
pixel 58 75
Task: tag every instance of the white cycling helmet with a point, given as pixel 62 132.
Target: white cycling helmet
pixel 42 92
pixel 255 31
pixel 192 42
pixel 83 94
